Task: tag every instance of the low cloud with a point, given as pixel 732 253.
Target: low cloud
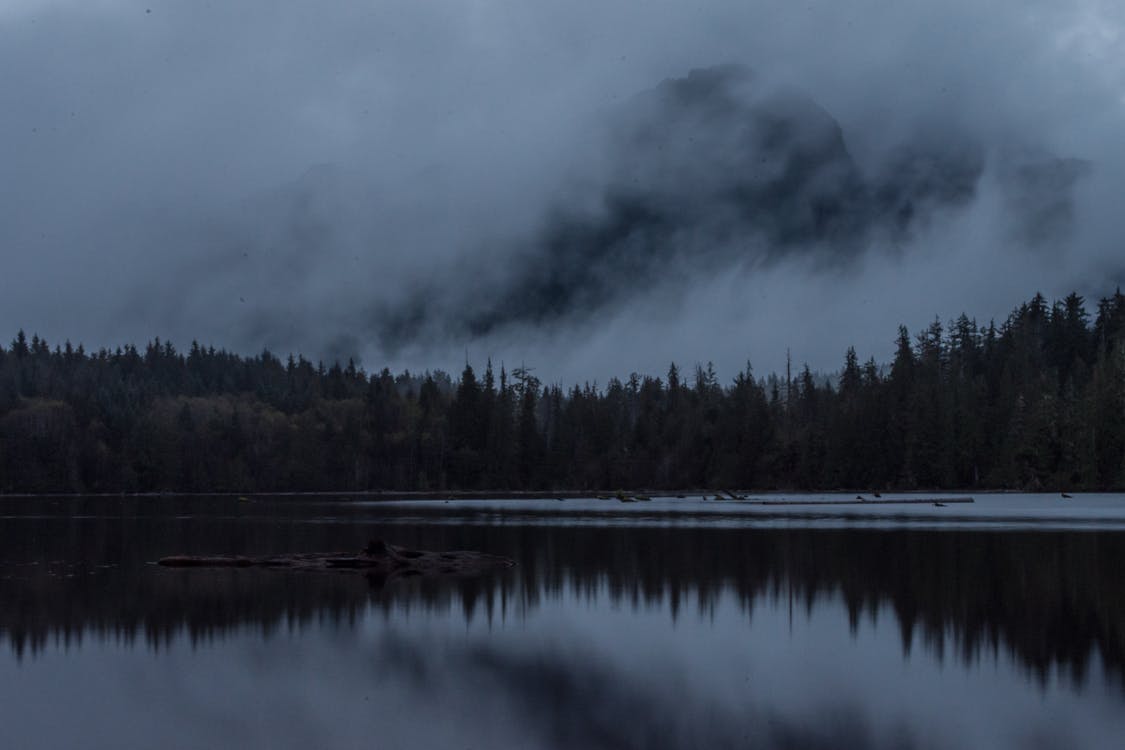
pixel 588 189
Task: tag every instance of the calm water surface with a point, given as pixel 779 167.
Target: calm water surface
pixel 675 623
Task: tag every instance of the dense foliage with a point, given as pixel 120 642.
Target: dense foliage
pixel 1037 402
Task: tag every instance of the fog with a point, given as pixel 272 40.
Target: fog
pixel 588 189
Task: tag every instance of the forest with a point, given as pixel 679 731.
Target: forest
pixel 1036 402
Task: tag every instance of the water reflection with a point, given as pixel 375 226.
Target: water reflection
pixel 1048 600
pixel 578 699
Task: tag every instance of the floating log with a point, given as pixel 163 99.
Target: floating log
pixel 377 559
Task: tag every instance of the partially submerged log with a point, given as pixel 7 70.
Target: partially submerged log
pixel 377 559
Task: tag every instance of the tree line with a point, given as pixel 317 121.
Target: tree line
pixel 1036 402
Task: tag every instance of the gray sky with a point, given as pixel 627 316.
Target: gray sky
pixel 296 175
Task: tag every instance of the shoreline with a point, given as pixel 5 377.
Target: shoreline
pixel 760 496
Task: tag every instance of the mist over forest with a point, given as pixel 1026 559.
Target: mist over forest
pixel 1032 403
pixel 588 188
pixel 570 195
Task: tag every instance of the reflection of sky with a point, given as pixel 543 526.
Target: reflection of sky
pixel 1103 512
pixel 992 511
pixel 576 671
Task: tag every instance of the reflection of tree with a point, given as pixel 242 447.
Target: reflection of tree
pixel 1052 599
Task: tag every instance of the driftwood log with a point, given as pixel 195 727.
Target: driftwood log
pixel 378 559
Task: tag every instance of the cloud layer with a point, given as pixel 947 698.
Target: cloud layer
pixel 590 189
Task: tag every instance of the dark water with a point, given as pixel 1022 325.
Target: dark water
pixel 676 623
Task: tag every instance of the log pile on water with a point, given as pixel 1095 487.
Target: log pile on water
pixel 377 559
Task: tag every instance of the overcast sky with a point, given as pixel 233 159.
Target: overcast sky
pixel 306 176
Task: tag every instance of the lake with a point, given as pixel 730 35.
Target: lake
pixel 679 622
